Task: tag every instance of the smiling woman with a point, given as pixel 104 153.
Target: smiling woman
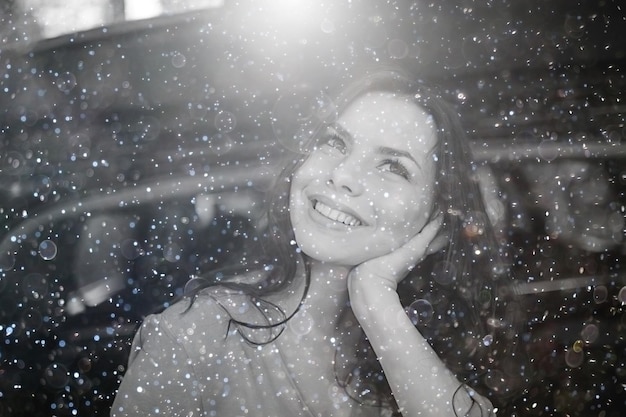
pixel 345 308
pixel 371 171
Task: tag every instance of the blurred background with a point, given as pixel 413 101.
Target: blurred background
pixel 138 139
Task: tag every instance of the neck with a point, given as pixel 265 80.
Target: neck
pixel 327 298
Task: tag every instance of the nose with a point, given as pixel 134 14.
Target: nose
pixel 347 177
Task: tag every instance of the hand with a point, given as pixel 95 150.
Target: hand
pixel 405 355
pixel 391 268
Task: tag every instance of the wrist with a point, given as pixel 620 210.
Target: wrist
pixel 365 282
pixel 371 297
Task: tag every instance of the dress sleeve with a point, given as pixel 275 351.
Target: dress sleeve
pixel 160 378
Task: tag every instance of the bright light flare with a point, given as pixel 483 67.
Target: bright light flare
pixel 286 18
pixel 137 10
pixel 291 11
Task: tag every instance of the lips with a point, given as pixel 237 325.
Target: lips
pixel 336 215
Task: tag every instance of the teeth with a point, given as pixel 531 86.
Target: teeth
pixel 336 215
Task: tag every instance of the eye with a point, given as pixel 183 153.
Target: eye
pixel 334 141
pixel 395 167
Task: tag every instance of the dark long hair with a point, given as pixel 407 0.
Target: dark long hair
pixel 452 297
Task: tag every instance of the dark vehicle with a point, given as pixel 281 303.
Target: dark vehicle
pixel 136 156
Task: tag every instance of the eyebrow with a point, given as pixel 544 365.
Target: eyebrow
pixel 343 133
pixel 384 150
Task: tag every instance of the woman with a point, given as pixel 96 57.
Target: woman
pixel 369 294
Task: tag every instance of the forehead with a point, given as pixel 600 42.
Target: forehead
pixel 387 119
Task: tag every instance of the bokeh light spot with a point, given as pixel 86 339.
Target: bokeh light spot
pixel 48 250
pixel 574 358
pixel 420 311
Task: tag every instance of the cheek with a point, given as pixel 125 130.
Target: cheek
pixel 403 218
pixel 314 166
pixel 296 200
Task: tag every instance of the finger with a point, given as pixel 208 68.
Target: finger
pixel 427 234
pixel 437 244
pixel 420 244
pixel 403 259
pixel 431 229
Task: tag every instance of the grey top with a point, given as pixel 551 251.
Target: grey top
pixel 187 361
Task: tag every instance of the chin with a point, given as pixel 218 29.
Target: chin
pixel 338 255
pixel 329 254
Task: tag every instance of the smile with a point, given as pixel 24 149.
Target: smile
pixel 336 215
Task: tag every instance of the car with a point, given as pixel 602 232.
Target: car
pixel 137 155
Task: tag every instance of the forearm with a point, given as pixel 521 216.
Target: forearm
pixel 420 381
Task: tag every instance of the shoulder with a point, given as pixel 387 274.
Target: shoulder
pixel 216 318
pixel 209 313
pixel 215 312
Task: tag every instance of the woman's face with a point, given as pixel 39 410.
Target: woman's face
pixel 367 187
